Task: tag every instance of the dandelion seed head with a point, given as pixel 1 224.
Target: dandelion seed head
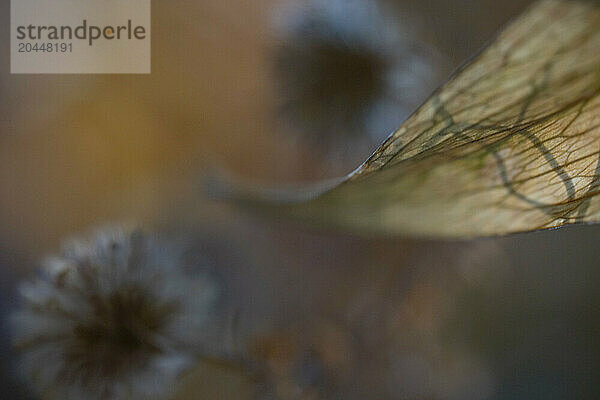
pixel 349 69
pixel 116 316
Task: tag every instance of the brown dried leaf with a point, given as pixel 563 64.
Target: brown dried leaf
pixel 511 143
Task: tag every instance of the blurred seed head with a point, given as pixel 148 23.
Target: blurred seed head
pixel 114 317
pixel 350 70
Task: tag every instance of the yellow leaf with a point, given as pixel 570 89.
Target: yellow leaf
pixel 511 143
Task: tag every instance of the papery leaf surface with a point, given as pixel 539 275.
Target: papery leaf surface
pixel 511 143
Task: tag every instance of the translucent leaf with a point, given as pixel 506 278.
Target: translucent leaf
pixel 511 143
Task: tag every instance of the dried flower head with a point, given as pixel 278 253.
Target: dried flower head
pixel 348 69
pixel 116 317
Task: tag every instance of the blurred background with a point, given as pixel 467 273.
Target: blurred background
pixel 281 91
